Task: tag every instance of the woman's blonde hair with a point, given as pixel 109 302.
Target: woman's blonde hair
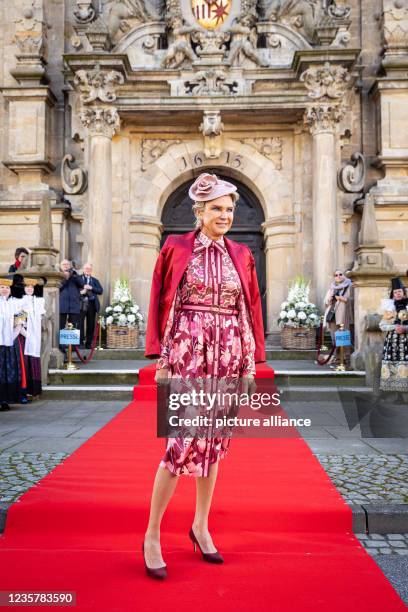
pixel 199 207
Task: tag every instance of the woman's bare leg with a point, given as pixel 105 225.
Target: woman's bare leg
pixel 163 488
pixel 204 492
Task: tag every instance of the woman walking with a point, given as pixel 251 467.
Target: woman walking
pixel 205 322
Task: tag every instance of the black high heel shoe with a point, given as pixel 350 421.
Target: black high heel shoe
pixel 159 573
pixel 209 557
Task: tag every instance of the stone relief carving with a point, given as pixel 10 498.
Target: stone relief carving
pixel 395 25
pixel 210 82
pixel 180 49
pixel 211 129
pixel 244 42
pixel 245 36
pixel 211 124
pixel 153 148
pixel 307 17
pixel 121 15
pixel 211 44
pixel 323 117
pixel 31 30
pixel 301 15
pixel 98 35
pixel 326 81
pixel 352 176
pixel 30 37
pixel 74 180
pixel 99 120
pixel 84 12
pixel 97 84
pixel 270 147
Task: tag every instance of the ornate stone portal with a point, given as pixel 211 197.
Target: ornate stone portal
pixel 149 93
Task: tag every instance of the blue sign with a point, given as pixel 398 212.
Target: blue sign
pixel 69 336
pixel 343 338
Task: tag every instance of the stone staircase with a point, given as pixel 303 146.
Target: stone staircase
pixel 112 374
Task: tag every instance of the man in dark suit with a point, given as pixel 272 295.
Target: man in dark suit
pixel 70 306
pixel 90 305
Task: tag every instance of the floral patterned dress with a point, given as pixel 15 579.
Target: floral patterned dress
pixel 206 343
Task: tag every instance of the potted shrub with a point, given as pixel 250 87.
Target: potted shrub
pixel 122 318
pixel 298 317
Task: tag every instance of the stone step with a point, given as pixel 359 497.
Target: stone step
pixel 94 377
pixel 313 378
pixel 89 392
pixel 316 394
pixel 118 354
pixel 285 378
pixel 279 354
pixel 273 353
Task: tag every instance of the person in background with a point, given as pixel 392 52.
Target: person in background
pixel 338 305
pixel 69 301
pixel 20 255
pixel 34 305
pixel 10 356
pixel 90 305
pixel 394 366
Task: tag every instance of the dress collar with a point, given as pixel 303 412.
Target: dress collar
pixel 207 242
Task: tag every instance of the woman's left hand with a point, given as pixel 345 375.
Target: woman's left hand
pixel 400 329
pixel 248 384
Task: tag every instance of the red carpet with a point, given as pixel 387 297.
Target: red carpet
pixel 283 529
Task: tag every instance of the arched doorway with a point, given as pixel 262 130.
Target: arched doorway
pixel 178 218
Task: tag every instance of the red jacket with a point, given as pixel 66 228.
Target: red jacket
pixel 168 272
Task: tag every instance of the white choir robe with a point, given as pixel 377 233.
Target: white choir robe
pixel 10 361
pixel 35 308
pixel 8 308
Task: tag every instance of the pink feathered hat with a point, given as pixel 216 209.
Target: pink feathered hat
pixel 209 186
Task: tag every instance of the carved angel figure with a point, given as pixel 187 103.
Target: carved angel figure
pixel 244 42
pixel 180 49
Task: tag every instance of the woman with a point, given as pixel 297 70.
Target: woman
pixel 10 357
pixel 205 321
pixel 31 335
pixel 338 306
pixel 394 367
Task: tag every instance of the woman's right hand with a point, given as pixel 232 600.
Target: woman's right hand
pixel 162 376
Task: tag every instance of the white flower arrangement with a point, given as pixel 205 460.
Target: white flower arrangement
pixel 297 310
pixel 123 310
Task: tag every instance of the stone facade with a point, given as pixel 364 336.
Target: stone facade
pixel 108 107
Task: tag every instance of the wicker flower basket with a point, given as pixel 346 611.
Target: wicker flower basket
pixel 121 336
pixel 300 338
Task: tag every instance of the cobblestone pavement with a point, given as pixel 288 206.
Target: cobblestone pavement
pixel 20 471
pixel 366 478
pixel 359 478
pixel 387 544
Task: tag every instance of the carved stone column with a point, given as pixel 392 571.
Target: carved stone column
pixel 280 241
pixel 145 234
pixel 322 122
pixel 102 124
pixel 102 121
pixel 326 84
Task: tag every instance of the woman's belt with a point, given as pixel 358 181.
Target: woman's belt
pixel 215 309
